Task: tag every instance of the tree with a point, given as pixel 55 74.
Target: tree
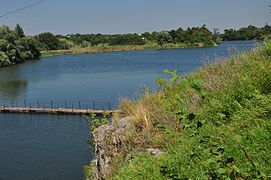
pixel 163 38
pixel 49 41
pixel 15 47
pixel 19 31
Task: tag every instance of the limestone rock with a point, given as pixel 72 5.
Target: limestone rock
pixel 110 141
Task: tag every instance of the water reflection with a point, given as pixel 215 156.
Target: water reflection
pixel 12 89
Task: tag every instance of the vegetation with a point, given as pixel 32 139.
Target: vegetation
pixel 51 44
pixel 15 47
pixel 212 124
pixel 247 33
pixel 191 37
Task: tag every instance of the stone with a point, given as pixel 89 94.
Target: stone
pixel 110 141
pixel 155 152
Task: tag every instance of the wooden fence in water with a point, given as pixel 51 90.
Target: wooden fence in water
pixel 56 107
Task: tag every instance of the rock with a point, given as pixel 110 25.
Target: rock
pixel 155 152
pixel 111 141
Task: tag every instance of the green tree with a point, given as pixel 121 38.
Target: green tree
pixel 163 38
pixel 19 31
pixel 48 41
pixel 15 47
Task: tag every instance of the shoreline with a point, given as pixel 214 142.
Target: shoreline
pixel 109 49
pixel 163 130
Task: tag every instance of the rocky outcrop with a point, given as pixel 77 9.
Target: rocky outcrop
pixel 111 141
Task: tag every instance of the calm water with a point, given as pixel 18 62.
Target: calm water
pixel 54 147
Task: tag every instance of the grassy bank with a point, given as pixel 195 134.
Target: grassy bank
pixel 106 48
pixel 91 50
pixel 213 123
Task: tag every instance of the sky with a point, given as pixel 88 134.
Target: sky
pixel 133 16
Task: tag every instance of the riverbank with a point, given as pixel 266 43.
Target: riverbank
pixel 102 49
pixel 213 123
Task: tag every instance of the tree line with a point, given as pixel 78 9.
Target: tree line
pixel 191 37
pixel 247 33
pixel 15 47
pixel 49 41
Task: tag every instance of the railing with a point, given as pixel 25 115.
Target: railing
pixel 54 106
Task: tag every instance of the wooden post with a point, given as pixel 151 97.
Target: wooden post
pixel 11 103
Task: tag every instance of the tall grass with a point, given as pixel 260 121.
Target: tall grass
pixel 107 48
pixel 213 124
pixel 94 49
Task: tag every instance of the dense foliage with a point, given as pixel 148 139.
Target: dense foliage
pixel 15 47
pixel 179 38
pixel 192 37
pixel 247 33
pixel 213 124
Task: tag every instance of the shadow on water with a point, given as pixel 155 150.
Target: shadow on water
pixel 12 89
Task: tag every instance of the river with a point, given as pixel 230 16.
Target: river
pixel 54 147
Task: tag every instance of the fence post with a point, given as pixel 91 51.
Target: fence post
pixel 93 105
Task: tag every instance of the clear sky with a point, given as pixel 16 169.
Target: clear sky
pixel 124 16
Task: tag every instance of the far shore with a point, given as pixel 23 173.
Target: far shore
pixel 92 50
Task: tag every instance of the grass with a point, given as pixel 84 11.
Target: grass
pixel 212 124
pixel 98 49
pixel 107 48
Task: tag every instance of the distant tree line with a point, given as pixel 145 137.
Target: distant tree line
pixel 195 36
pixel 15 47
pixel 247 33
pixel 49 41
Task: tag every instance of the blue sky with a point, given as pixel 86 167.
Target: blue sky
pixel 124 16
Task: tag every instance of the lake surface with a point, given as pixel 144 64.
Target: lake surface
pixel 54 147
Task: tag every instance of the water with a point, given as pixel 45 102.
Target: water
pixel 54 147
pixel 42 147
